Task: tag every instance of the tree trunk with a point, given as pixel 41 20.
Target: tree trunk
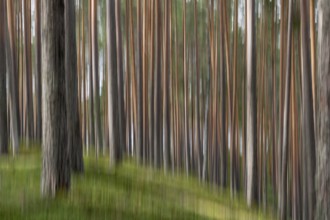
pixel 91 84
pixel 308 120
pixel 233 169
pixel 313 54
pixel 186 129
pixel 286 119
pixel 12 74
pixel 115 148
pixel 95 67
pixel 55 169
pixel 3 89
pixel 38 73
pixel 28 68
pixel 73 122
pixel 166 89
pixel 223 99
pixel 251 136
pixel 83 72
pixel 121 110
pixel 199 145
pixel 157 97
pixel 323 115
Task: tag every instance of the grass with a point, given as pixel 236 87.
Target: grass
pixel 128 192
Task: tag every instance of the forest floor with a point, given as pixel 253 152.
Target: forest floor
pixel 127 192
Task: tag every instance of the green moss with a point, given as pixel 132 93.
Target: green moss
pixel 127 192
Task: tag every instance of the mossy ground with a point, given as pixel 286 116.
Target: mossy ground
pixel 127 192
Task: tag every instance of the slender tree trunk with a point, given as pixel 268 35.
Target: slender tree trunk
pixel 115 148
pixel 3 89
pixel 274 115
pixel 223 110
pixel 323 115
pixel 83 72
pixel 95 67
pixel 38 72
pixel 73 122
pixel 140 130
pixel 152 82
pixel 128 83
pixel 308 120
pixel 251 138
pixel 313 54
pixel 199 145
pixel 286 119
pixel 28 68
pixel 12 74
pixel 133 69
pixel 166 89
pixel 281 92
pixel 157 97
pixel 121 110
pixel 186 129
pixel 91 84
pixel 233 174
pixel 55 169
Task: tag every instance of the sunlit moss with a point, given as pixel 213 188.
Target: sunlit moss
pixel 128 192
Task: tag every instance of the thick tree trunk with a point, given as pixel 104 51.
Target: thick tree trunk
pixel 251 136
pixel 115 148
pixel 73 122
pixel 323 115
pixel 3 89
pixel 55 169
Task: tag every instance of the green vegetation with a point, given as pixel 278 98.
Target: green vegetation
pixel 128 192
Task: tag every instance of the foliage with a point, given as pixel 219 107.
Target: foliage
pixel 128 192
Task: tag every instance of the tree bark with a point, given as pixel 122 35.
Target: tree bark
pixel 223 107
pixel 121 110
pixel 28 69
pixel 12 75
pixel 3 89
pixel 186 129
pixel 308 120
pixel 251 136
pixel 157 97
pixel 73 122
pixel 95 67
pixel 323 115
pixel 38 73
pixel 91 84
pixel 199 145
pixel 286 119
pixel 140 132
pixel 115 148
pixel 55 166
